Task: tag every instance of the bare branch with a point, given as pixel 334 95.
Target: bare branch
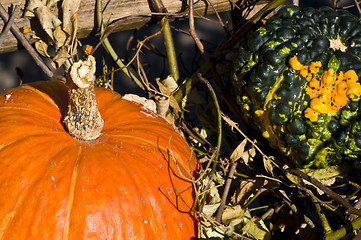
pixel 8 24
pixel 325 189
pixel 192 30
pixel 225 191
pixel 18 34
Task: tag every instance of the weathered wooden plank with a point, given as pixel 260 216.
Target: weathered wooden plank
pixel 126 14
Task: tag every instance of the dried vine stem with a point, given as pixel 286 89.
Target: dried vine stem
pixel 325 189
pixel 105 41
pixel 18 34
pixel 219 120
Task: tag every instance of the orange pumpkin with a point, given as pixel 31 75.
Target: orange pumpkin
pixel 123 185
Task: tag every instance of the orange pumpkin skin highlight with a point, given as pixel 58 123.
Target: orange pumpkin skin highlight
pixel 119 186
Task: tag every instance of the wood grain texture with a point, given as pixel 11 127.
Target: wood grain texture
pixel 126 14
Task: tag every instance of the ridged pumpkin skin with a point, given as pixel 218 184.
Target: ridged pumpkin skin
pixel 120 186
pixel 297 82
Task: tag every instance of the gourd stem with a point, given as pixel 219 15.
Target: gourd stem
pixel 83 120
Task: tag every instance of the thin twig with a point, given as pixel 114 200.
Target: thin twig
pixel 8 24
pixel 192 30
pixel 109 48
pixel 219 119
pixel 326 190
pixel 225 191
pixel 176 163
pixel 229 44
pixel 358 8
pixel 233 125
pixel 119 21
pixel 18 34
pixel 216 13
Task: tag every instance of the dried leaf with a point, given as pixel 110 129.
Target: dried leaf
pixel 209 230
pixel 59 37
pixel 45 18
pixel 293 178
pixel 174 104
pixel 73 32
pixel 246 187
pixel 257 229
pixel 252 151
pixel 146 103
pixel 170 83
pixel 327 175
pixel 234 215
pixel 239 151
pixel 164 90
pixel 60 58
pixel 30 8
pixel 42 48
pixel 268 165
pixel 210 209
pixel 69 7
pixel 50 3
pixel 210 187
pixel 41 10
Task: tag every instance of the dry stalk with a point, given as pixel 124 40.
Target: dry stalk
pixel 226 190
pixel 192 30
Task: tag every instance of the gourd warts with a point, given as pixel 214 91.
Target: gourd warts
pixel 298 83
pixel 329 90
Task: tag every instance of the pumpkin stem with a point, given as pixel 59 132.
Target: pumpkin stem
pixel 83 120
